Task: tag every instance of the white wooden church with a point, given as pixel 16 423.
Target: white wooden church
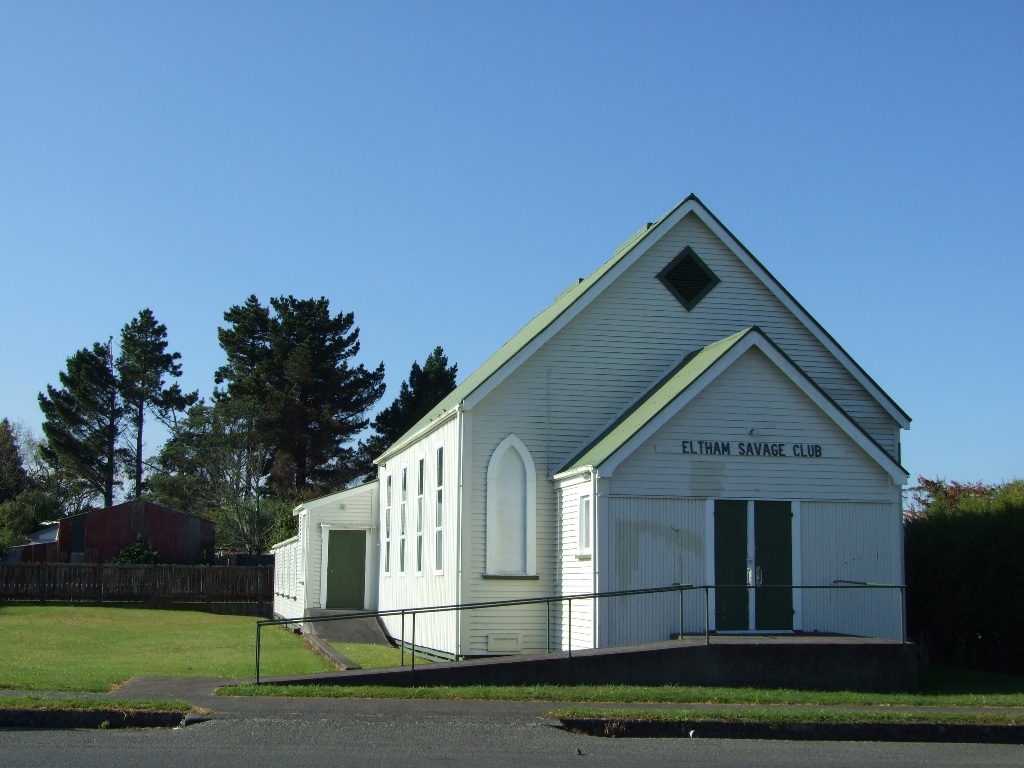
pixel 677 417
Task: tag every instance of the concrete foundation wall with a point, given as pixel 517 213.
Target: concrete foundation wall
pixel 877 666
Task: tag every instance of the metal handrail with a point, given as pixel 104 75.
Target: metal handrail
pixel 680 588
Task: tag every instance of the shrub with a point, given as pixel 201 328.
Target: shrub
pixel 964 570
pixel 139 553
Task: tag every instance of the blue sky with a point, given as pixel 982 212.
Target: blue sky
pixel 444 169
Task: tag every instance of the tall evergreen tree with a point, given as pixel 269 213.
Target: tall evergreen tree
pixel 295 361
pixel 142 366
pixel 424 389
pixel 83 421
pixel 13 477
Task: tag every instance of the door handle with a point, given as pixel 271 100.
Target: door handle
pixel 750 576
pixel 758 576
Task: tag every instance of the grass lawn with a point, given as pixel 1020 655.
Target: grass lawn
pixel 72 648
pixel 371 656
pixel 940 686
pixel 86 705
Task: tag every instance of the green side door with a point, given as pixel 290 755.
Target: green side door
pixel 346 570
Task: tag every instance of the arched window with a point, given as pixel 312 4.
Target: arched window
pixel 511 510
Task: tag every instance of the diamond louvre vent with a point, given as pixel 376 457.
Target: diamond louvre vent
pixel 688 278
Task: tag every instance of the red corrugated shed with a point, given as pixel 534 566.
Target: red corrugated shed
pixel 100 534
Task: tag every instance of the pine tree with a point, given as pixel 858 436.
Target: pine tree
pixel 13 477
pixel 142 366
pixel 295 364
pixel 425 388
pixel 83 421
pixel 422 391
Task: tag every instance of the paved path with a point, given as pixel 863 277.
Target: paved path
pixel 201 692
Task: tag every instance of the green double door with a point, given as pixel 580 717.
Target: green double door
pixel 346 570
pixel 753 566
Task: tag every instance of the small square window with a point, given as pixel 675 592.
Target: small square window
pixel 688 278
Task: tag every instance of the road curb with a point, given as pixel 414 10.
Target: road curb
pixel 94 718
pixel 958 733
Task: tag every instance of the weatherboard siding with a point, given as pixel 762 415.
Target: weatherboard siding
pixel 354 511
pixel 576 573
pixel 635 331
pixel 753 394
pixel 652 542
pixel 404 590
pixel 858 542
pixel 494 419
pixel 289 586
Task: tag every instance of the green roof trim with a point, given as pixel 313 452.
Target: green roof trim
pixel 528 333
pixel 659 397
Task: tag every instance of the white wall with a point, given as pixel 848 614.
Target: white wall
pixel 651 542
pixel 576 574
pixel 848 512
pixel 852 541
pixel 429 587
pixel 289 587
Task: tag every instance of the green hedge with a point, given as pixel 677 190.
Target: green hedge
pixel 965 574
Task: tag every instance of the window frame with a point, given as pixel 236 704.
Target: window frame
pixel 418 550
pixel 387 525
pixel 439 511
pixel 493 544
pixel 402 499
pixel 584 525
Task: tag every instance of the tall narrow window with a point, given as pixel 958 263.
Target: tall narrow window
pixel 511 537
pixel 387 525
pixel 419 517
pixel 401 519
pixel 584 527
pixel 439 513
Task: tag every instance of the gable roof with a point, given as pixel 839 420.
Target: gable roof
pixel 689 378
pixel 568 303
pixel 337 497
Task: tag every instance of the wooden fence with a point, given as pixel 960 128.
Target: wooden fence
pixel 75 583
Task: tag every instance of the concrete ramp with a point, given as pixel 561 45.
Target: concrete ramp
pixel 361 630
pixel 809 662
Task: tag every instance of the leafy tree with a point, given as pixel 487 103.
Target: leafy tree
pixel 83 420
pixel 19 516
pixel 142 366
pixel 294 361
pixel 213 460
pixel 422 391
pixel 44 494
pixel 13 477
pixel 251 526
pixel 215 465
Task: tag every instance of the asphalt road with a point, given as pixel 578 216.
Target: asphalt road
pixel 424 739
